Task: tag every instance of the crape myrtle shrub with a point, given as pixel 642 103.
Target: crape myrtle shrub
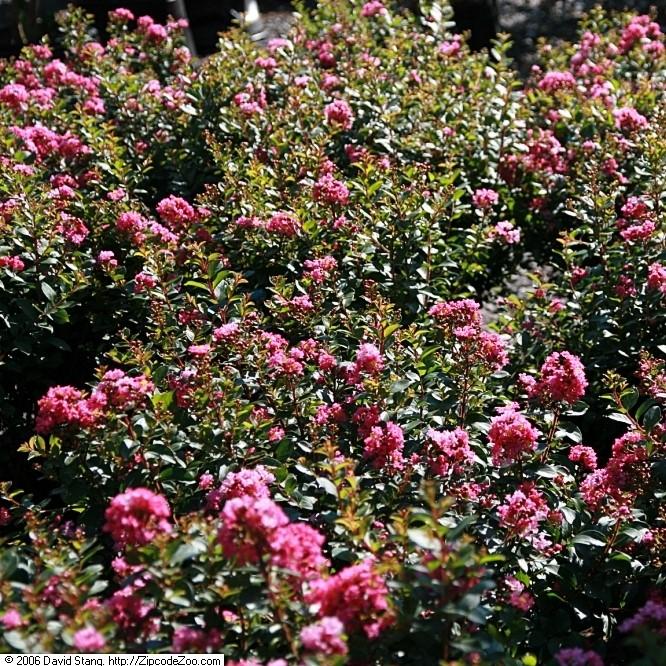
pixel 241 335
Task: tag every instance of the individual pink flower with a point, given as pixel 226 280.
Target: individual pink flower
pixel 339 114
pixel 511 435
pixel 249 525
pixel 325 637
pixel 121 14
pixel 89 640
pixel 136 517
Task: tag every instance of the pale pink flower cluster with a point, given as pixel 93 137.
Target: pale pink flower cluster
pixel 324 637
pixel 485 198
pixel 506 232
pixel 627 118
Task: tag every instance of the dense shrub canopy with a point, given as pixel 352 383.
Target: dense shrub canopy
pixel 254 397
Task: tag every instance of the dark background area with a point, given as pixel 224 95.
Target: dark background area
pixel 524 20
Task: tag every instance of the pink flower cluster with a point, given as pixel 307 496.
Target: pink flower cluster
pixel 319 270
pixel 246 482
pixel 324 637
pixel 373 8
pixel 545 153
pixel 617 484
pixel 643 30
pixel 339 114
pixel 357 596
pixel 627 118
pixel 14 263
pixel 448 451
pixel 251 101
pixel 485 198
pixel 561 379
pixel 584 455
pixel 656 279
pixel 331 191
pixel 578 657
pixel 460 321
pixel 45 143
pixel 506 232
pixel 188 640
pixel 88 640
pixel 176 212
pixel 384 445
pixel 552 81
pixel 511 435
pixel 66 405
pixel 523 511
pixel 254 527
pixel 283 224
pixel 518 597
pixel 136 517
